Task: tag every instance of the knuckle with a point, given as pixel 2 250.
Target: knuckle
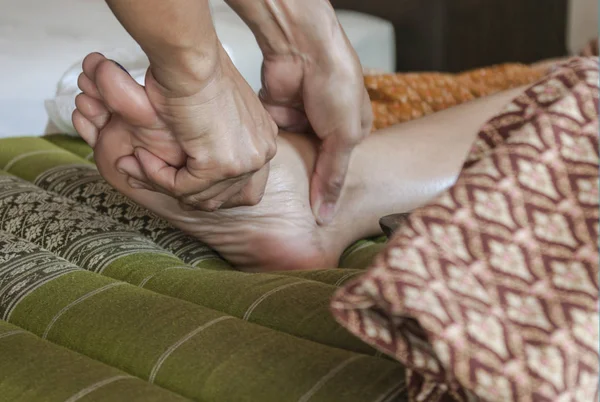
pixel 271 151
pixel 254 198
pixel 225 165
pixel 335 184
pixel 251 161
pixel 258 160
pixel 233 168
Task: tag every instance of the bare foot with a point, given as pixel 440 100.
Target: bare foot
pixel 279 233
pixel 143 127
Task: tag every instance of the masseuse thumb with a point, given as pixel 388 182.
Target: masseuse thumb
pixel 328 180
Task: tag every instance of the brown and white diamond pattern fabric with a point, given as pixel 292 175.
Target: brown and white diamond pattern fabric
pixel 491 291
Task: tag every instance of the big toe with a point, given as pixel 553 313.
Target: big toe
pixel 123 95
pixel 87 79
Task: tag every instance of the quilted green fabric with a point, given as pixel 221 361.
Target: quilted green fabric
pixel 83 267
pixel 66 375
pixel 194 351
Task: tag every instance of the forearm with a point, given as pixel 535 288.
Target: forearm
pixel 178 36
pixel 290 27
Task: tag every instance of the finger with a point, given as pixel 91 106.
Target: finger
pixel 218 201
pixel 340 127
pixel 253 191
pixel 213 197
pixel 172 181
pixel 288 118
pixel 169 179
pixel 130 166
pixel 139 185
pixel 366 120
pixel 328 179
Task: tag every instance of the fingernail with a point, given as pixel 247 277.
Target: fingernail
pixel 135 184
pixel 326 213
pixel 121 67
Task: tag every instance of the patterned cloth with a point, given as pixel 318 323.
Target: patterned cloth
pixel 81 268
pixel 396 98
pixel 66 376
pixel 491 291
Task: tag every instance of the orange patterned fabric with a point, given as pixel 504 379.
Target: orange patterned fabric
pixel 396 98
pixel 491 291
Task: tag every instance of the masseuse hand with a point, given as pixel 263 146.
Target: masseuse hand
pixel 212 139
pixel 312 82
pixel 227 139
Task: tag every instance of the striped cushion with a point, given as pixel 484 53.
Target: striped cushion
pixel 197 352
pixel 67 376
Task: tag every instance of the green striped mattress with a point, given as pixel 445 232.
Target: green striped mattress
pixel 100 300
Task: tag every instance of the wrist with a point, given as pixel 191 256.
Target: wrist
pixel 183 71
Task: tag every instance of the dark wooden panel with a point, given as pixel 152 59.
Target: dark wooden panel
pixel 485 32
pixel 454 35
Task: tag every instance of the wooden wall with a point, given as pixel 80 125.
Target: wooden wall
pixel 454 35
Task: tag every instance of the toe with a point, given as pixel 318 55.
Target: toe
pixel 90 64
pixel 87 78
pixel 93 110
pixel 86 129
pixel 123 95
pixel 88 87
